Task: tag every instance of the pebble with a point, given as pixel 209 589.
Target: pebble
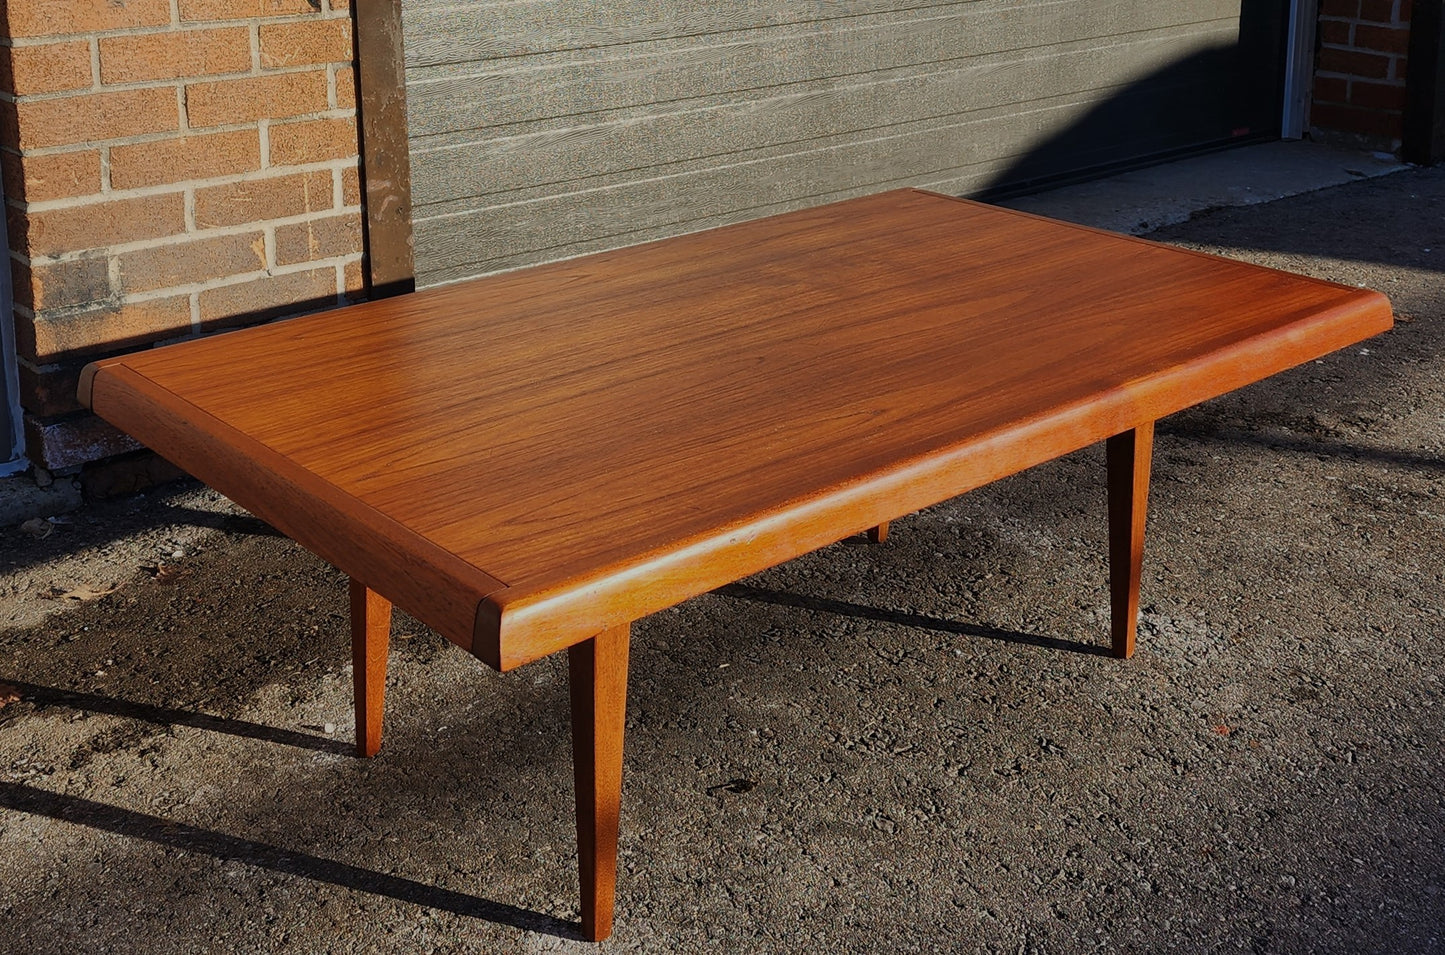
pixel 329 728
pixel 37 527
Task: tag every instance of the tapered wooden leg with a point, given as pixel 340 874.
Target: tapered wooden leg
pixel 370 632
pixel 597 671
pixel 878 534
pixel 1128 464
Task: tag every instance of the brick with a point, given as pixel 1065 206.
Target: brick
pixel 316 140
pixel 184 159
pixel 89 117
pixel 1406 7
pixel 1354 63
pixel 317 239
pixel 259 200
pixel 351 186
pixel 71 442
pixel 303 42
pixel 51 390
pixel 1377 95
pixel 168 266
pixel 1339 8
pixel 262 200
pixel 127 475
pixel 164 56
pixel 1378 11
pixel 1382 39
pixel 56 176
pixel 353 281
pixel 40 286
pixel 1330 89
pixel 96 224
pixel 1375 123
pixel 346 88
pixel 242 9
pixel 33 18
pixel 118 327
pixel 275 295
pixel 1336 32
pixel 47 68
pixel 258 97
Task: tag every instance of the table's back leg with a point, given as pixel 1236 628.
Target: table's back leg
pixel 1128 457
pixel 370 633
pixel 878 534
pixel 597 671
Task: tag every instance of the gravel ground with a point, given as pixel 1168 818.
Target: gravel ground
pixel 910 747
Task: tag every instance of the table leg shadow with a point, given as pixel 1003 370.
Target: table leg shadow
pixel 597 677
pixel 172 716
pixel 178 835
pixel 904 618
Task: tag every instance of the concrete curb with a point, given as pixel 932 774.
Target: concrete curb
pixel 1143 200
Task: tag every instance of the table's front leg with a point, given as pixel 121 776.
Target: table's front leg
pixel 597 671
pixel 1128 457
pixel 370 634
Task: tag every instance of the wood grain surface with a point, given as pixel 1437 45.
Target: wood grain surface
pixel 1128 457
pixel 370 641
pixel 553 453
pixel 597 688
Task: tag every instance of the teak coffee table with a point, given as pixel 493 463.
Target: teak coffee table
pixel 531 461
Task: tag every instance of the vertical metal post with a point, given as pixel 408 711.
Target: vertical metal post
pixel 12 457
pixel 385 161
pixel 1299 67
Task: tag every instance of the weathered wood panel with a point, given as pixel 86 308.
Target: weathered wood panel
pixel 952 157
pixel 743 64
pixel 543 129
pixel 473 163
pixel 452 32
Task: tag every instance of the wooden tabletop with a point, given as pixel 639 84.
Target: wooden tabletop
pixel 527 459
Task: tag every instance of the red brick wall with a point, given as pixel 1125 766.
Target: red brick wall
pixel 1360 74
pixel 170 167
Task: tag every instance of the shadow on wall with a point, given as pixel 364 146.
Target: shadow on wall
pixel 1217 96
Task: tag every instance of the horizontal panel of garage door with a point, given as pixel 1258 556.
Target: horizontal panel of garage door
pixel 543 129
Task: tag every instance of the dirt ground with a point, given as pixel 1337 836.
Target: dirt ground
pixel 912 747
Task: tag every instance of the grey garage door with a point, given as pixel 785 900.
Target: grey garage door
pixel 541 129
